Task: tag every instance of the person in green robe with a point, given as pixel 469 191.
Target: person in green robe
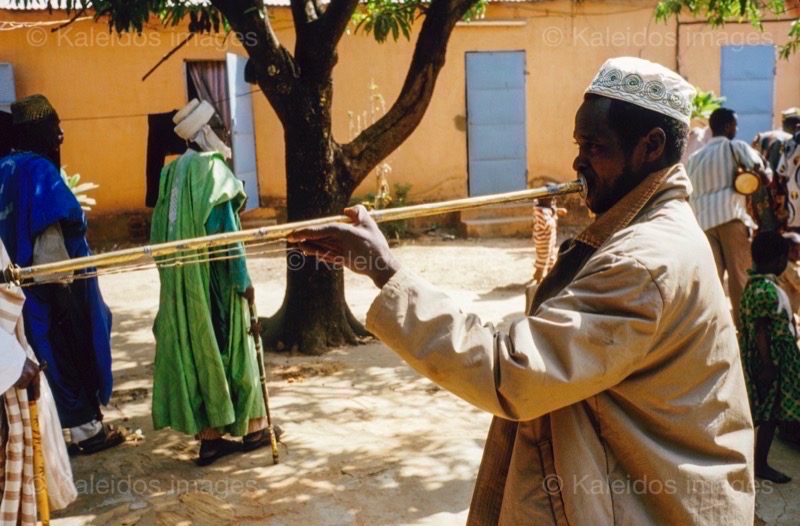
pixel 206 380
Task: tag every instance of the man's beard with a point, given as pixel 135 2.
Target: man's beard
pixel 627 181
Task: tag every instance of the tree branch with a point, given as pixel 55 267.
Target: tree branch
pixel 336 18
pixel 166 57
pixel 310 54
pixel 275 68
pixel 78 13
pixel 379 140
pixel 318 8
pixel 303 13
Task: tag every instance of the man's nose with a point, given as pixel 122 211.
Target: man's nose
pixel 579 163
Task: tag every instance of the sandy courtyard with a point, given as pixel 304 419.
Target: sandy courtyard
pixel 367 440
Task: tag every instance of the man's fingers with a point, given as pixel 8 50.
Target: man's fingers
pixel 322 254
pixel 352 212
pixel 333 231
pixel 310 248
pixel 314 232
pixel 359 214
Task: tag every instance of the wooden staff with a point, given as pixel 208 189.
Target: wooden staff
pixel 15 274
pixel 262 371
pixel 39 471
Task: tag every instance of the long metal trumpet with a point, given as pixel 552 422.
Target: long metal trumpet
pixel 15 274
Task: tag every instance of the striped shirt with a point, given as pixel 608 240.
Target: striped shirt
pixel 711 170
pixel 545 223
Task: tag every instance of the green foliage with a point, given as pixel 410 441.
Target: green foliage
pixel 794 40
pixel 397 229
pixel 392 229
pixel 129 16
pixel 705 102
pixel 384 17
pixel 717 12
pixel 379 17
pixel 394 17
pixel 476 12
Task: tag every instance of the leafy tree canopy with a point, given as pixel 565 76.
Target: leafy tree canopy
pixel 382 18
pixel 717 12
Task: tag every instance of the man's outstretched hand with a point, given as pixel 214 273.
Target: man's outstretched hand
pixel 359 246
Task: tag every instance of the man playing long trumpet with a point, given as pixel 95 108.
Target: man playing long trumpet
pixel 620 399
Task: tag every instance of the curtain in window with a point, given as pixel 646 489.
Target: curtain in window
pixel 211 82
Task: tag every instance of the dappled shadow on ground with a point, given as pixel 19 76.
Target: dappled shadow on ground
pixel 369 441
pixel 363 448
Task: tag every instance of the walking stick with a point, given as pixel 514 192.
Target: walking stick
pixel 262 371
pixel 39 475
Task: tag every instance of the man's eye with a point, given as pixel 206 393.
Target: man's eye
pixel 587 146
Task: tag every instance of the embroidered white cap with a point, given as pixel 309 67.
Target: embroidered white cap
pixel 191 118
pixel 645 84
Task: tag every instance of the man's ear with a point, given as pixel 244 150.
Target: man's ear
pixel 655 142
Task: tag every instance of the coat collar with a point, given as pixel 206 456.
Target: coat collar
pixel 667 184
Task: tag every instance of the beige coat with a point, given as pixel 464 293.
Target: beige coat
pixel 627 385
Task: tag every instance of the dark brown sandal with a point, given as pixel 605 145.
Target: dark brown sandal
pixel 220 447
pixel 259 439
pixel 105 439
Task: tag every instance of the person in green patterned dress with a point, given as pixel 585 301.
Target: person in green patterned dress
pixel 768 343
pixel 206 380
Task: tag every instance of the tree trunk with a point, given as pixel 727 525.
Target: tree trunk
pixel 314 316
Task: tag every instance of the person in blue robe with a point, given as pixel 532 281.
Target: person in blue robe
pixel 66 322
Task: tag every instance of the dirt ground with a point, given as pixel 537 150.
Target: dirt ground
pixel 367 440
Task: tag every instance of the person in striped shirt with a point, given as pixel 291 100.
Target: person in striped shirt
pixel 545 232
pixel 720 211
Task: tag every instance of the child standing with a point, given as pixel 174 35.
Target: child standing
pixel 545 232
pixel 768 343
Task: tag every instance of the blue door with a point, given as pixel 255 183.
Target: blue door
pixel 243 139
pixel 496 141
pixel 7 92
pixel 748 84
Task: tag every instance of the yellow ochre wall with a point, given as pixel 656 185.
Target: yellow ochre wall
pixel 93 78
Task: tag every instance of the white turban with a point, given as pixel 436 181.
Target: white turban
pixel 192 125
